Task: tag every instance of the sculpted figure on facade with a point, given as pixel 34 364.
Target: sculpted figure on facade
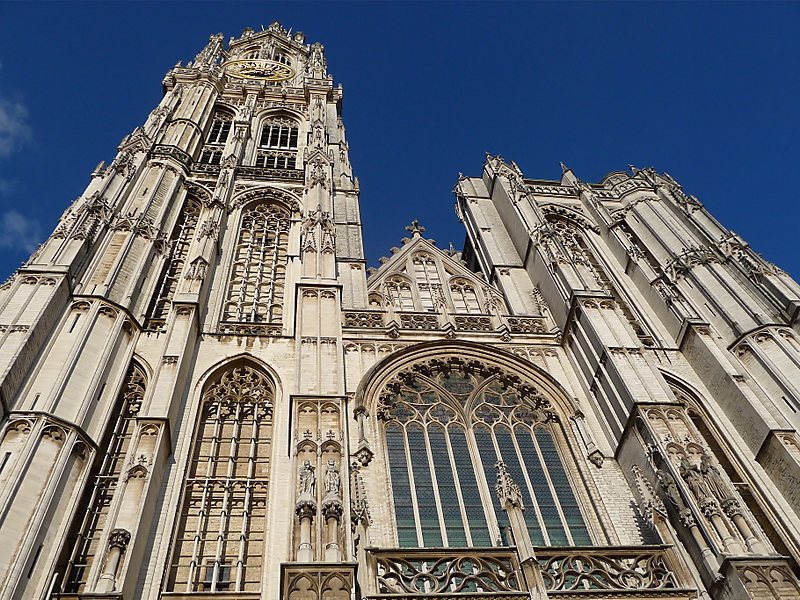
pixel 332 479
pixel 307 480
pixel 694 479
pixel 713 479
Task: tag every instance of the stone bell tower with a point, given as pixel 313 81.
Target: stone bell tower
pixel 175 342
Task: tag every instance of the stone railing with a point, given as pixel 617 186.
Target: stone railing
pixel 473 323
pixel 419 321
pixel 363 319
pixel 527 324
pixel 497 574
pixel 267 173
pixel 231 328
pixel 424 573
pixel 610 569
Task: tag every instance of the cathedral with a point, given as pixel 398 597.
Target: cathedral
pixel 205 392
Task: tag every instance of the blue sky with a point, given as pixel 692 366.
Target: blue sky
pixel 707 92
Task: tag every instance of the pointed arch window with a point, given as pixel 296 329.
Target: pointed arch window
pixel 217 136
pixel 398 292
pixel 219 544
pixel 429 282
pixel 277 145
pixel 465 298
pixel 446 427
pixel 84 543
pixel 177 252
pixel 258 270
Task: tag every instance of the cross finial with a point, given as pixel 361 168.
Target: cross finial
pixel 415 228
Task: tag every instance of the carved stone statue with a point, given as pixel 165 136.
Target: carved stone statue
pixel 694 479
pixel 307 481
pixel 670 488
pixel 332 479
pixel 713 478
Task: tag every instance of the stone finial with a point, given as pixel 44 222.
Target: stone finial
pixel 507 490
pixel 564 168
pixel 415 228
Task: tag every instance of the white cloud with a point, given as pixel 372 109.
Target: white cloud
pixel 18 232
pixel 14 128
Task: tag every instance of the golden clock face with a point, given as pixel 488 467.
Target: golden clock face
pixel 258 68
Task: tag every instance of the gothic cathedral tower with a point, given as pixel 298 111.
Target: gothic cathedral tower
pixel 203 393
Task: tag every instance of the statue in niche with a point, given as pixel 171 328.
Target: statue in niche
pixel 670 488
pixel 307 479
pixel 694 479
pixel 713 478
pixel 332 479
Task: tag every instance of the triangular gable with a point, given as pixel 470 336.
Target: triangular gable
pixel 449 271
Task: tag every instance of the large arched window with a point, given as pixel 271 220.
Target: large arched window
pixel 446 425
pixel 219 544
pixel 258 270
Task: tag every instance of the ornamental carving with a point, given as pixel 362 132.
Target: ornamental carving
pixel 363 319
pixel 639 569
pixel 239 392
pixel 506 398
pixel 457 572
pixel 529 325
pixel 692 480
pixel 508 492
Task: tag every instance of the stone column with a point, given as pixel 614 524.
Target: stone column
pixel 332 510
pixel 732 509
pixel 118 540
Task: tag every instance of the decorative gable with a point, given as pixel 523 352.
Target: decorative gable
pixel 420 277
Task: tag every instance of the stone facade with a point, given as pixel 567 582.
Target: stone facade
pixel 204 393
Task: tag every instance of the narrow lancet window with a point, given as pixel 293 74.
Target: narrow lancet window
pixel 85 542
pixel 177 252
pixel 217 136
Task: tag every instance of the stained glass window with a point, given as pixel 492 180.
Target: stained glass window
pixel 446 428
